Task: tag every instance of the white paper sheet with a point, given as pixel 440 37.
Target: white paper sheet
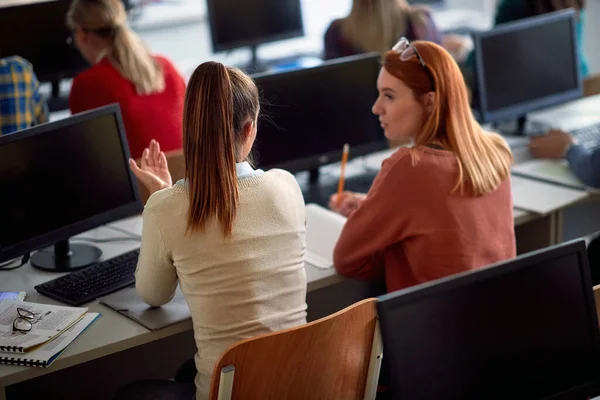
pixel 323 228
pixel 541 197
pixel 557 171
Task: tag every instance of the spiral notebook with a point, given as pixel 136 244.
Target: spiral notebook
pixel 49 322
pixel 46 354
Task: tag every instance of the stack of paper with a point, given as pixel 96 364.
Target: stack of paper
pixel 53 328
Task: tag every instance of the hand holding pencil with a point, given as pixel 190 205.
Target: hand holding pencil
pixel 342 173
pixel 345 202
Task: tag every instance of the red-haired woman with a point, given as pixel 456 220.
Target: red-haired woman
pixel 444 205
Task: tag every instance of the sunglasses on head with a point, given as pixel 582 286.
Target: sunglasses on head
pixel 408 51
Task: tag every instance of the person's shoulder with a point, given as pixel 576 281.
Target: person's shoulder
pixel 275 181
pixel 399 158
pixel 335 24
pixel 420 9
pixel 280 175
pixel 164 201
pixel 164 62
pixel 97 74
pixel 334 30
pixel 16 62
pixel 408 164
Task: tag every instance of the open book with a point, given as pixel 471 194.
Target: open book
pixel 45 355
pixel 48 322
pixel 323 228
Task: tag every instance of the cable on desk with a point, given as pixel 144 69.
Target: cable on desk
pixel 107 240
pixel 24 260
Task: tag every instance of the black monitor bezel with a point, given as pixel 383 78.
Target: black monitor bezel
pixel 387 303
pixel 521 109
pixel 64 233
pixel 46 75
pixel 318 160
pixel 217 46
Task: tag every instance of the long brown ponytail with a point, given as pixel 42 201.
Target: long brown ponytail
pixel 219 101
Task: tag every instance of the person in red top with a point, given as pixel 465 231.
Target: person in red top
pixel 148 88
pixel 441 207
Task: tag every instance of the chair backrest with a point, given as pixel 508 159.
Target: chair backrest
pixel 597 299
pixel 336 357
pixel 591 85
pixel 176 164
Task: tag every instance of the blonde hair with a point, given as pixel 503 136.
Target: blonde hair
pixel 128 54
pixel 484 158
pixel 376 25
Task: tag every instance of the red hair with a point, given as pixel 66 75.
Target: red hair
pixel 484 158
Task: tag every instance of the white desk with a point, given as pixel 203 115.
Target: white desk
pixel 113 333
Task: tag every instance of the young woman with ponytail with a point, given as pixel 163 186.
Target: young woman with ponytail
pixel 231 236
pixel 148 88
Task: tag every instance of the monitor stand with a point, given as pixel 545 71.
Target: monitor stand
pixel 255 66
pixel 521 122
pixel 55 102
pixel 511 130
pixel 65 257
pixel 313 177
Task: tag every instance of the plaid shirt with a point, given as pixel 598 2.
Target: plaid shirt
pixel 21 104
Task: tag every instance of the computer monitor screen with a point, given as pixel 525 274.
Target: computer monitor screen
pixel 235 23
pixel 37 32
pixel 523 329
pixel 430 3
pixel 63 178
pixel 309 114
pixel 527 65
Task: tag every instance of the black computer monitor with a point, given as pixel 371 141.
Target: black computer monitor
pixel 431 3
pixel 37 32
pixel 309 114
pixel 60 179
pixel 521 329
pixel 527 65
pixel 235 24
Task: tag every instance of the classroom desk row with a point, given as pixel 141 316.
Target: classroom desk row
pixel 114 334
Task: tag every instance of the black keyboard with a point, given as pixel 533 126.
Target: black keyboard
pixel 588 137
pixel 92 282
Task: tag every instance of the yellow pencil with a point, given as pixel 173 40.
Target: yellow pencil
pixel 342 172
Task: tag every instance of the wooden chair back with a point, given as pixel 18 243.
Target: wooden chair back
pixel 336 357
pixel 591 85
pixel 597 299
pixel 176 164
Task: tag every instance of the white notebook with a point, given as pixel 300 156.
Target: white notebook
pixel 130 304
pixel 323 228
pixel 541 197
pixel 553 171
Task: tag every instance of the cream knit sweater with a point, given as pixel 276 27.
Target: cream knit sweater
pixel 236 288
